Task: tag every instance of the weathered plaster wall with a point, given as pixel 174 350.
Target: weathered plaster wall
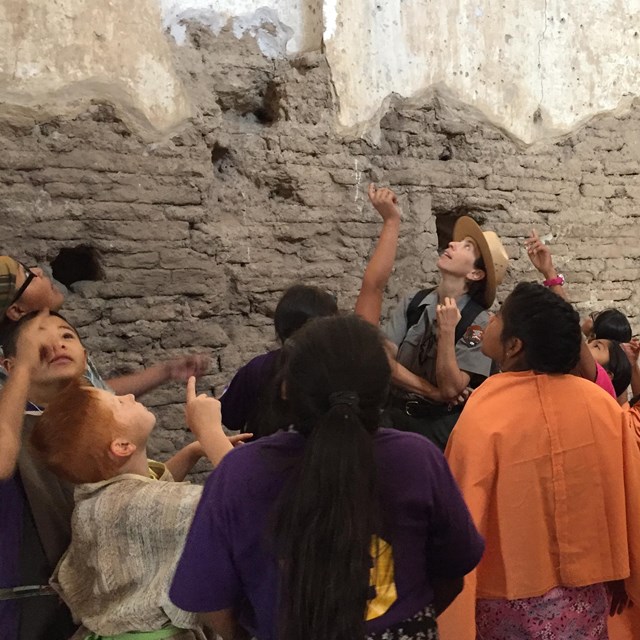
pixel 55 57
pixel 280 26
pixel 200 233
pixel 536 69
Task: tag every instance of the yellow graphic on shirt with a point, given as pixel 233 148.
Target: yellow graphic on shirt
pixel 382 579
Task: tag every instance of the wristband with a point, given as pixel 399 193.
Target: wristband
pixel 558 281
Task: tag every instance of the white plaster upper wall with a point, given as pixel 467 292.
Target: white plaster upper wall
pixel 536 69
pixel 57 56
pixel 565 59
pixel 280 26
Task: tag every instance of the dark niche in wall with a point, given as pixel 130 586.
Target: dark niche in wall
pixel 73 264
pixel 446 220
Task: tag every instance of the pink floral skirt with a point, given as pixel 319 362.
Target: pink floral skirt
pixel 570 613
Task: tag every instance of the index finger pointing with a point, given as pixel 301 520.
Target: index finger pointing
pixel 191 388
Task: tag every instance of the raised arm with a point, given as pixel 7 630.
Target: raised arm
pixel 14 395
pixel 540 256
pixel 204 418
pixel 376 275
pixel 140 382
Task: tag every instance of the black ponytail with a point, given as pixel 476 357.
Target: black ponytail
pixel 336 381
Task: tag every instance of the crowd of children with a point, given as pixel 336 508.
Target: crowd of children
pixel 457 474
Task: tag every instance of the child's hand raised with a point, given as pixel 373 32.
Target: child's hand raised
pixel 31 347
pixel 203 413
pixel 540 255
pixel 385 202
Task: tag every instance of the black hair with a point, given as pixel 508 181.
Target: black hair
pixel 612 324
pixel 619 367
pixel 336 378
pixel 477 288
pixel 298 304
pixel 11 335
pixel 546 324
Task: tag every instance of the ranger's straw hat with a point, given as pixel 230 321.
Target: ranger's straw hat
pixel 495 257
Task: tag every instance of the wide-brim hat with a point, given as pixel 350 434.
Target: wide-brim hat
pixel 9 269
pixel 493 253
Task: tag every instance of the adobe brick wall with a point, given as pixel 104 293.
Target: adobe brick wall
pixel 200 234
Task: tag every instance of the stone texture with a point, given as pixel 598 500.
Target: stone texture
pixel 200 234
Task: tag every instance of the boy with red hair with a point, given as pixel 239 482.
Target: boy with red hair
pixel 128 529
pixel 43 354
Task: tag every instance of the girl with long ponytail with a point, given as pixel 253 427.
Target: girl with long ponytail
pixel 334 529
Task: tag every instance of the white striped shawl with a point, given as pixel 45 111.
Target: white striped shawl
pixel 127 536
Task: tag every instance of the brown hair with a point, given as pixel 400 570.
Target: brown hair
pixel 73 435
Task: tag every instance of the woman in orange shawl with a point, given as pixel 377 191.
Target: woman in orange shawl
pixel 551 474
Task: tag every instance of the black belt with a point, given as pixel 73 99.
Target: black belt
pixel 416 408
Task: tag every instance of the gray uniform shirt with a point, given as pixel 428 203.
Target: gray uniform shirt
pixel 417 345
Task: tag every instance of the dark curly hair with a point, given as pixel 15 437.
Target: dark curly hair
pixel 547 326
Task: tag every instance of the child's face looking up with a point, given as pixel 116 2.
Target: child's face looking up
pixel 62 356
pixel 130 414
pixel 600 351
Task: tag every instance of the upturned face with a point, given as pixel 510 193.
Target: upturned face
pixel 459 258
pixel 63 358
pixel 491 345
pixel 600 351
pixel 133 416
pixel 40 293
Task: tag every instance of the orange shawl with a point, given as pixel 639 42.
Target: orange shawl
pixel 550 470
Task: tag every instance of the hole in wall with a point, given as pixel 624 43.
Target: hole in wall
pixel 73 264
pixel 221 158
pixel 270 109
pixel 49 128
pixel 446 153
pixel 446 220
pixel 282 187
pixel 283 191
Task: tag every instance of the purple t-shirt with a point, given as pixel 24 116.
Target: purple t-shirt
pixel 240 399
pixel 227 563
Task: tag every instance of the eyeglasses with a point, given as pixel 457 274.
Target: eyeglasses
pixel 30 275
